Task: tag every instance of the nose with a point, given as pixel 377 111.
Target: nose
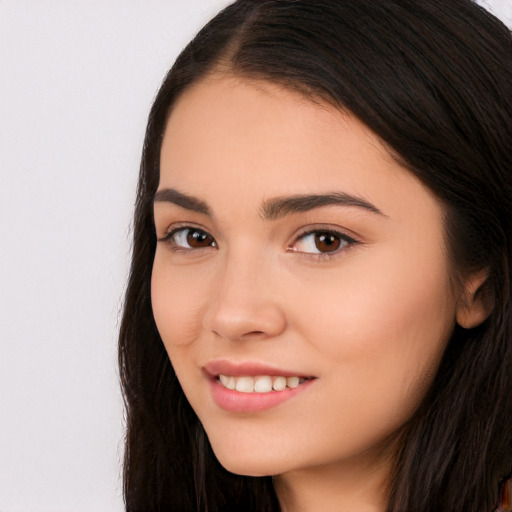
pixel 245 303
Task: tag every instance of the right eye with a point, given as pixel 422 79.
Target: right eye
pixel 190 238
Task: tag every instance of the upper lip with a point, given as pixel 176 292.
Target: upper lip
pixel 218 367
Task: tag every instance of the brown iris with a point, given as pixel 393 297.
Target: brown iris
pixel 198 239
pixel 327 242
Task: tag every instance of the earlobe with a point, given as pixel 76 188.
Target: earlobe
pixel 473 308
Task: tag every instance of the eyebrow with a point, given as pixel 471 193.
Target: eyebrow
pixel 171 195
pixel 279 207
pixel 275 208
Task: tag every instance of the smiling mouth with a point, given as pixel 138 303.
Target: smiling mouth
pixel 260 383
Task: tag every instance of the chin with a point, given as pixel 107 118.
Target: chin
pixel 250 461
pixel 248 469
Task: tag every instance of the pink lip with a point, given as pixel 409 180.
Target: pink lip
pixel 235 401
pixel 224 367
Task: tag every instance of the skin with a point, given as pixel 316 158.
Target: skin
pixel 369 321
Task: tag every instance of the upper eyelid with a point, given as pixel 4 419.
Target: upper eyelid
pixel 177 226
pixel 327 229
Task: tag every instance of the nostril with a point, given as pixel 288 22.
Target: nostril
pixel 254 334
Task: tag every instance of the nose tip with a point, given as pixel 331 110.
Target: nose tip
pixel 244 309
pixel 245 322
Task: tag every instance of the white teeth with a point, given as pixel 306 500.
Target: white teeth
pixel 279 384
pixel 245 384
pixel 228 382
pixel 262 384
pixel 292 382
pixel 259 384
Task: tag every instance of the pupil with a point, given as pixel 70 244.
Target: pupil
pixel 327 242
pixel 198 239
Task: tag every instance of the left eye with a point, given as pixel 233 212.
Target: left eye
pixel 322 242
pixel 191 238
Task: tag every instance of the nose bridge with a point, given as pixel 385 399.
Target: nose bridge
pixel 244 302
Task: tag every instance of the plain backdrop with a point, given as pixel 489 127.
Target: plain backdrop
pixel 77 78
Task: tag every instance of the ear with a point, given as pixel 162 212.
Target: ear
pixel 473 307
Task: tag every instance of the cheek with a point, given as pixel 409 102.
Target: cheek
pixel 376 301
pixel 177 299
pixel 383 331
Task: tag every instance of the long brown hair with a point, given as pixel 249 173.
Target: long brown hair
pixel 432 79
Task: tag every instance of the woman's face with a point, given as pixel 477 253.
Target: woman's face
pixel 301 265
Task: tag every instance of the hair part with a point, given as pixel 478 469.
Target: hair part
pixel 432 80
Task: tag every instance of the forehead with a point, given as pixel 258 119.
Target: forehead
pixel 246 141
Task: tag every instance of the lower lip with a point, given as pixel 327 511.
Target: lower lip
pixel 235 401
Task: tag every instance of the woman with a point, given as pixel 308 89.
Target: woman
pixel 318 311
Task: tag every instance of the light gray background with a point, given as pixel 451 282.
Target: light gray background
pixel 76 82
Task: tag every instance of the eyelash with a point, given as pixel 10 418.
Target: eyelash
pixel 169 237
pixel 345 241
